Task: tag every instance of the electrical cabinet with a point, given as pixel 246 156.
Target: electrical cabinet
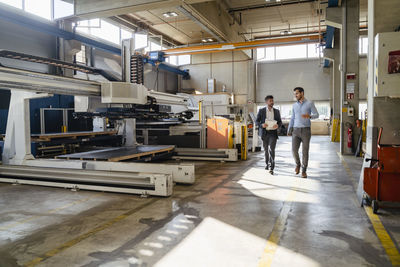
pixel 387 64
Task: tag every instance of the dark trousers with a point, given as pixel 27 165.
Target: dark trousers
pixel 301 136
pixel 269 144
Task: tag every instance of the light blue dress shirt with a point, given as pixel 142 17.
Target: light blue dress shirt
pixel 307 107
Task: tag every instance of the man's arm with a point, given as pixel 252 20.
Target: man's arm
pixel 314 112
pixel 259 120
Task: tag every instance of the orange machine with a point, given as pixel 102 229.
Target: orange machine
pixel 218 131
pixel 382 180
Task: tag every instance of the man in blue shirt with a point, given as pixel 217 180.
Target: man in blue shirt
pixel 300 128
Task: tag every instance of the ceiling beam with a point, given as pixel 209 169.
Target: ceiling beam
pixel 271 4
pixel 106 8
pixel 135 24
pixel 214 19
pixel 213 15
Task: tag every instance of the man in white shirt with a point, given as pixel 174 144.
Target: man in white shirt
pixel 269 134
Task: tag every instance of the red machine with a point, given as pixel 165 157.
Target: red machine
pixel 382 180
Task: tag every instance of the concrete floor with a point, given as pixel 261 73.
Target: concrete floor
pixel 224 219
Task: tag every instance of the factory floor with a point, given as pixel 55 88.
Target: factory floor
pixel 236 214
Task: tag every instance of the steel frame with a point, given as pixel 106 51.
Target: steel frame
pixel 121 182
pixel 206 154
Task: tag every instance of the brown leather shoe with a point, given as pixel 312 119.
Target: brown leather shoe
pixel 297 170
pixel 303 175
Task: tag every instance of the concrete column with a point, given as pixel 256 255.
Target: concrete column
pixel 383 16
pixel 336 76
pixel 350 64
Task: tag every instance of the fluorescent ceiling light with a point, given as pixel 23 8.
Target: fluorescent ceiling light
pixel 170 14
pixel 286 32
pixel 210 40
pixel 204 40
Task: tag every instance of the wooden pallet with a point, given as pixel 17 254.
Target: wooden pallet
pixel 72 135
pixel 115 154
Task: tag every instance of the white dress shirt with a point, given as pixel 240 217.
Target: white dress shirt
pixel 270 114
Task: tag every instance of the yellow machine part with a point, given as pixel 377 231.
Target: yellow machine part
pixel 243 145
pixel 335 135
pixel 364 130
pixel 200 107
pixel 230 136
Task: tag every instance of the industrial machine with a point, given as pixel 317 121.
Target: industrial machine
pixel 115 107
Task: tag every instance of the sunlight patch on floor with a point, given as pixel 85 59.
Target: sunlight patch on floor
pixel 276 187
pixel 215 243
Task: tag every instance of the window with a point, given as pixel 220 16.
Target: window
pixel 140 40
pixel 85 26
pixel 267 53
pixel 126 34
pixel 173 60
pixel 362 110
pixel 324 110
pixel 63 9
pixel 273 53
pixel 363 45
pixel 41 8
pixel 184 60
pixel 286 110
pixel 323 107
pixel 107 31
pixel 291 52
pixel 14 3
pixel 155 46
pixel 270 53
pixel 313 50
pixel 81 55
pixel 101 29
pixel 260 53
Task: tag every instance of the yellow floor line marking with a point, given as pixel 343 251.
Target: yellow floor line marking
pixel 8 227
pixel 82 237
pixel 383 236
pixel 277 231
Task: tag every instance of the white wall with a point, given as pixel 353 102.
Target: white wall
pixel 280 78
pixel 229 69
pixel 167 81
